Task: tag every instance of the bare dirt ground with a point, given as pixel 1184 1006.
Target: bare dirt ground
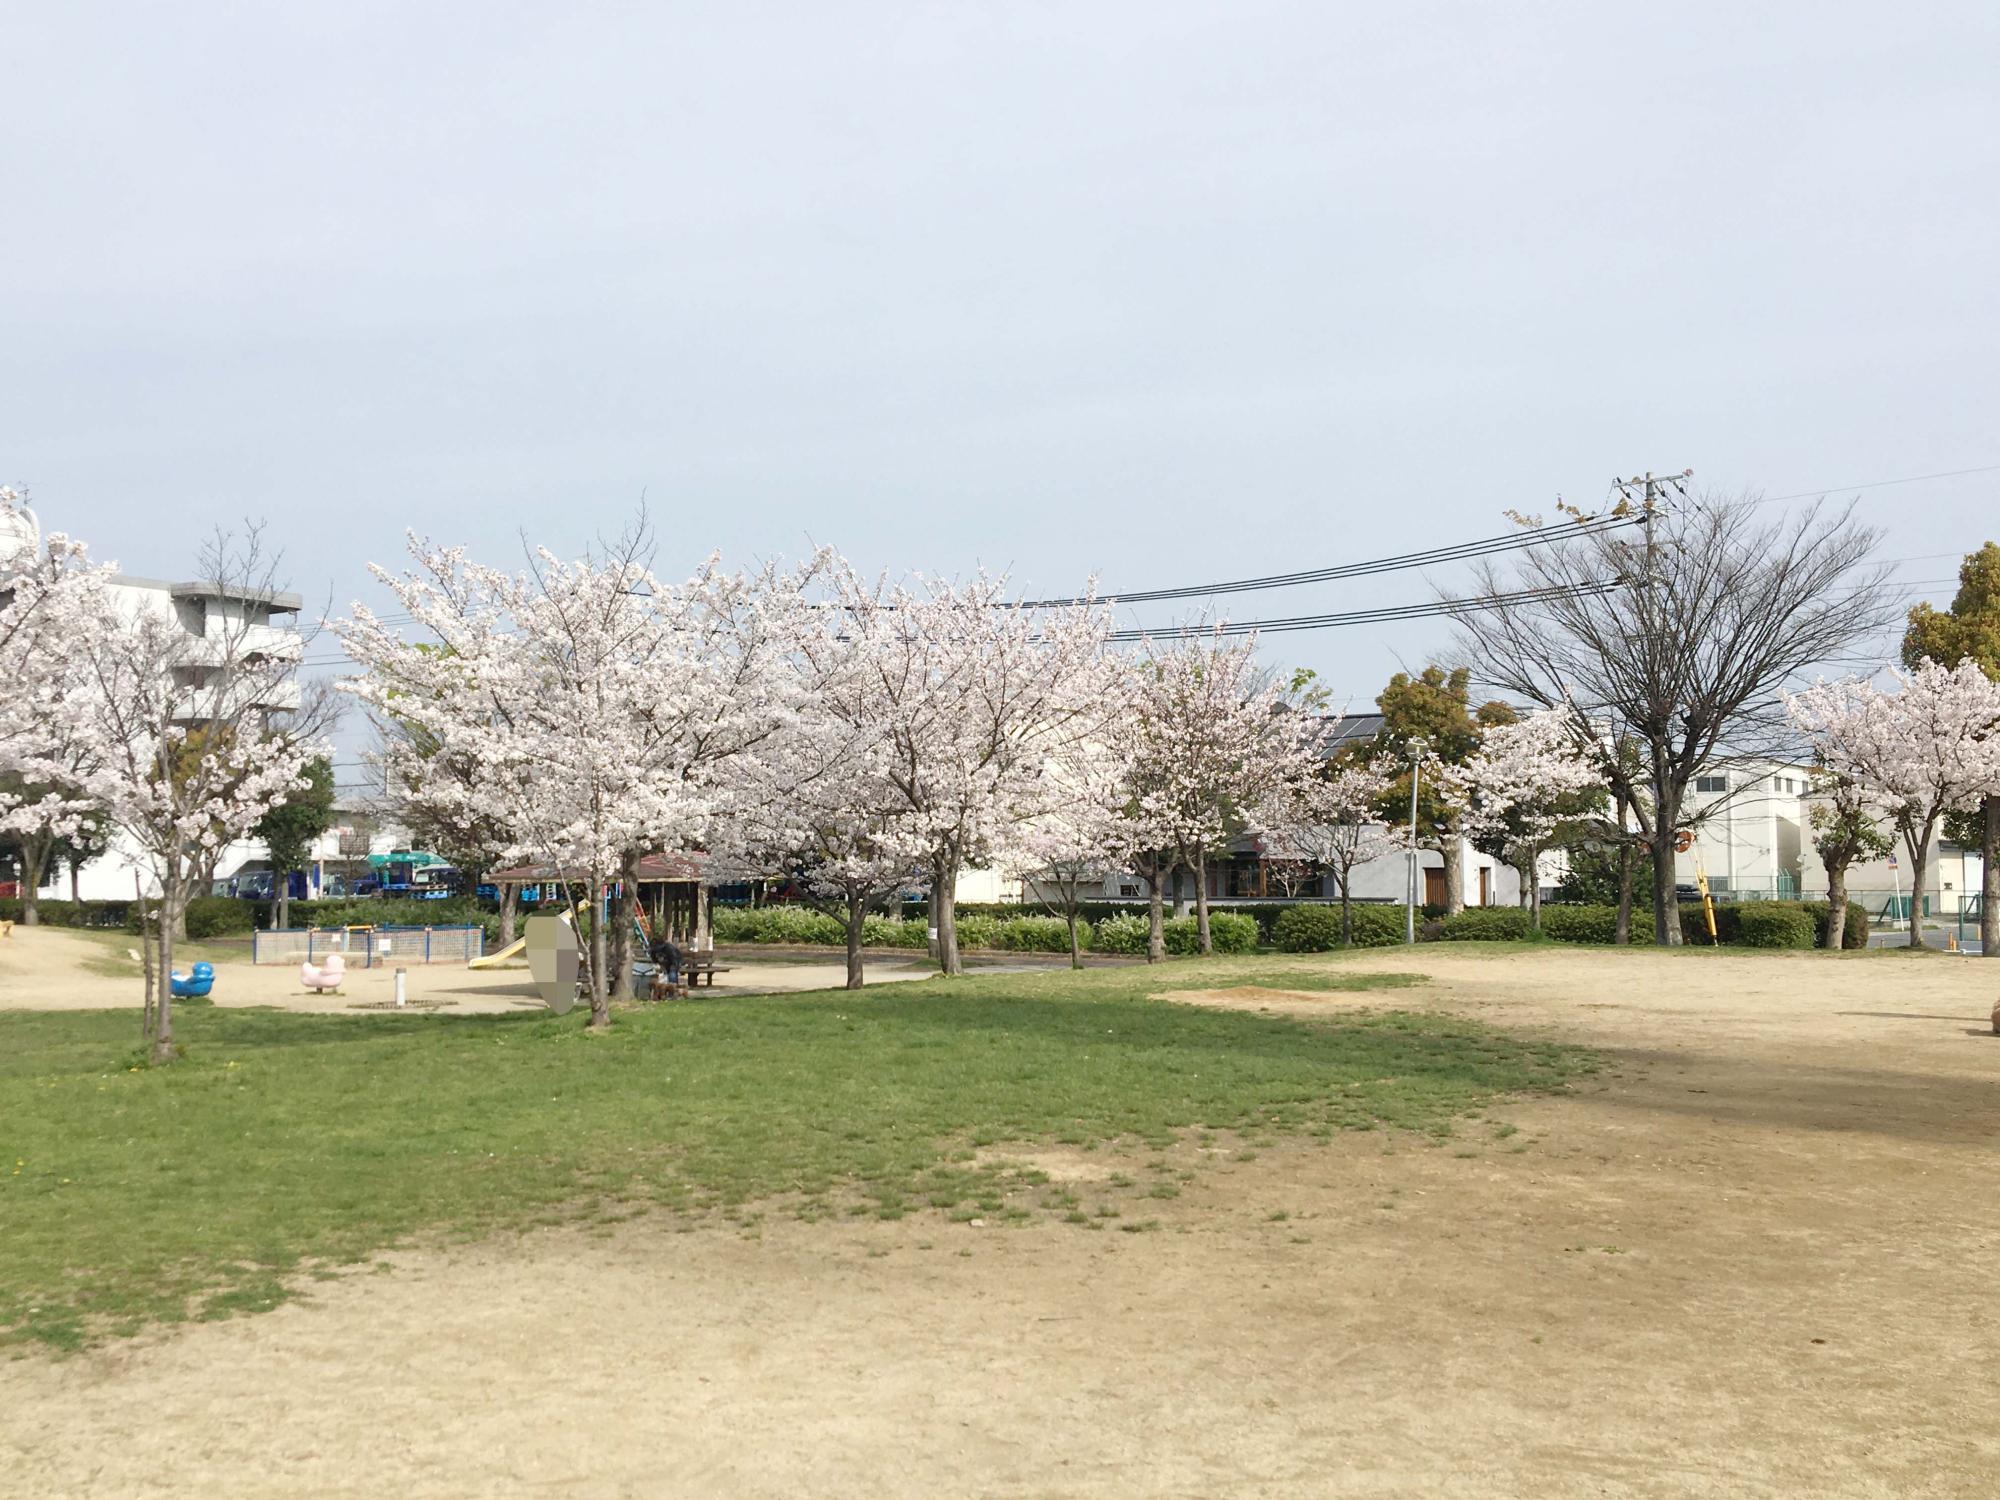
pixel 45 968
pixel 1753 1257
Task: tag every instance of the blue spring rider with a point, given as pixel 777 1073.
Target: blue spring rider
pixel 194 985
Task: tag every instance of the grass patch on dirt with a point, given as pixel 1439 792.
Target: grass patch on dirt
pixel 115 961
pixel 288 1142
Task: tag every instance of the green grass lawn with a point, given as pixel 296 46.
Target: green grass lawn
pixel 283 1142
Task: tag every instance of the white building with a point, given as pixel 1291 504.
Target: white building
pixel 220 623
pixel 1754 840
pixel 1752 837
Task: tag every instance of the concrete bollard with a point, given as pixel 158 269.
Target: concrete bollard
pixel 401 976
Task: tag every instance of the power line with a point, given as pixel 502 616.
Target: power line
pixel 1876 484
pixel 1430 609
pixel 1482 547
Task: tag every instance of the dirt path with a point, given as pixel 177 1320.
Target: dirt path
pixel 1753 1258
pixel 47 968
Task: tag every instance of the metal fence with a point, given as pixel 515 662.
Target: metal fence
pixel 367 947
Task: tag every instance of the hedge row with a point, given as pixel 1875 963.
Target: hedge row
pixel 1316 929
pixel 1749 924
pixel 1228 931
pixel 1771 924
pixel 803 925
pixel 71 913
pixel 1018 932
pixel 1266 914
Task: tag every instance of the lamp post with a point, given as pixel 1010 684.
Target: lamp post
pixel 1419 753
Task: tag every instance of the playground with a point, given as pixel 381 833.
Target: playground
pixel 55 968
pixel 1742 1256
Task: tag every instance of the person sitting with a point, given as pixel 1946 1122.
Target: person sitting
pixel 666 967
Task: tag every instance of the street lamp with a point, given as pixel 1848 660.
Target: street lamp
pixel 1420 751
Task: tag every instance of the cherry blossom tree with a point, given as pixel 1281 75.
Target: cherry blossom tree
pixel 598 701
pixel 816 802
pixel 1929 748
pixel 196 736
pixel 1525 783
pixel 1331 822
pixel 1217 749
pixel 55 610
pixel 1083 837
pixel 974 694
pixel 1847 827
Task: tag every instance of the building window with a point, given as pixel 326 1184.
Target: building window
pixel 1711 783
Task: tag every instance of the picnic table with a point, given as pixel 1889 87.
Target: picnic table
pixel 695 970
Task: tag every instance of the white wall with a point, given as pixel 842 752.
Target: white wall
pixel 1753 837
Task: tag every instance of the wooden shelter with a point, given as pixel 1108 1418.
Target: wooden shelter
pixel 672 890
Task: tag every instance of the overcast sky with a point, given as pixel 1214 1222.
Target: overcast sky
pixel 1163 292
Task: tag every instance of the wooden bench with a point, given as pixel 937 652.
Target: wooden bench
pixel 694 971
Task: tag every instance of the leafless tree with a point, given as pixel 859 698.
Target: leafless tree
pixel 1675 634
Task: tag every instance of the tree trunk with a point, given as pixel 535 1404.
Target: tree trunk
pixel 1836 904
pixel 1919 844
pixel 1534 880
pixel 1622 934
pixel 625 917
pixel 944 916
pixel 1203 944
pixel 857 913
pixel 1452 852
pixel 1666 905
pixel 1181 902
pixel 600 994
pixel 173 919
pixel 510 906
pixel 1989 879
pixel 75 870
pixel 146 940
pixel 1156 923
pixel 34 864
pixel 1346 915
pixel 704 938
pixel 1075 945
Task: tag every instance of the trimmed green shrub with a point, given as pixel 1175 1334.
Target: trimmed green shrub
pixel 894 932
pixel 1307 929
pixel 218 916
pixel 1486 924
pixel 777 924
pixel 1124 933
pixel 1856 935
pixel 1041 935
pixel 979 932
pixel 1316 929
pixel 1580 924
pixel 1775 924
pixel 1694 929
pixel 55 913
pixel 1228 932
pixel 1377 925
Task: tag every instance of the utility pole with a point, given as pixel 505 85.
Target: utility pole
pixel 1649 494
pixel 1419 752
